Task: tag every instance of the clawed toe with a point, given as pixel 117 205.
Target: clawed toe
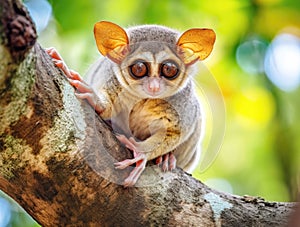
pixel 129 143
pixel 166 161
pixel 140 159
pixel 59 62
pixel 124 164
pixel 84 90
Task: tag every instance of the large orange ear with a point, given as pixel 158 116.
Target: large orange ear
pixel 112 40
pixel 196 44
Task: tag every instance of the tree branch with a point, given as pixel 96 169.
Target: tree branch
pixel 57 155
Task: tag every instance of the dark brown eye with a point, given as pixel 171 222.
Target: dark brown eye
pixel 169 70
pixel 138 69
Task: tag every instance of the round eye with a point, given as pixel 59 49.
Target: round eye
pixel 169 70
pixel 138 69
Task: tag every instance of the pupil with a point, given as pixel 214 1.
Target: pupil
pixel 138 70
pixel 169 69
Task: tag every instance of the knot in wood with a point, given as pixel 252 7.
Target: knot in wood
pixel 22 34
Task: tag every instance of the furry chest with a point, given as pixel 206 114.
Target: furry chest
pixel 148 116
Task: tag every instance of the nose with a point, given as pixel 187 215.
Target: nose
pixel 154 85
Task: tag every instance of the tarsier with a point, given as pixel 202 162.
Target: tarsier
pixel 144 86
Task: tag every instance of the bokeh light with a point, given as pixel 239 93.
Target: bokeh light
pixel 254 106
pixel 5 212
pixel 40 11
pixel 250 55
pixel 282 63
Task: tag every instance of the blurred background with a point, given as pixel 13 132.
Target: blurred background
pixel 256 63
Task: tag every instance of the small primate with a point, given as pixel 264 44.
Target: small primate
pixel 143 84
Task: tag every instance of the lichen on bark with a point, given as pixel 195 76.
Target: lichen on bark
pixel 10 157
pixel 67 125
pixel 14 92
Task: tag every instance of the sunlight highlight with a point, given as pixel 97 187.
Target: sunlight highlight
pixel 282 62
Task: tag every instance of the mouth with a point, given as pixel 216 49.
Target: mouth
pixel 153 94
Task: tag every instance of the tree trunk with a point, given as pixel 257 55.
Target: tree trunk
pixel 57 155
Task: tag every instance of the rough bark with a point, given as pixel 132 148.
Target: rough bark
pixel 56 154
